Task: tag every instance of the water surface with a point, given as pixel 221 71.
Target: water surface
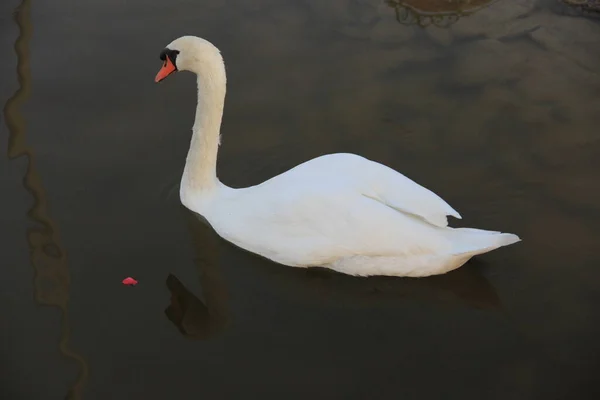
pixel 495 106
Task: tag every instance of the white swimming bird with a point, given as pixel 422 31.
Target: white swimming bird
pixel 338 211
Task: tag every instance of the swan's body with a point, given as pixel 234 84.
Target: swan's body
pixel 339 211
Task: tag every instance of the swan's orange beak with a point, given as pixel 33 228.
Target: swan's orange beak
pixel 167 69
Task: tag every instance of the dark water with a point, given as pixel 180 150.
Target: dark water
pixel 498 112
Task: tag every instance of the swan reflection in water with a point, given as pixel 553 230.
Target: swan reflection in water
pixel 195 318
pixel 207 317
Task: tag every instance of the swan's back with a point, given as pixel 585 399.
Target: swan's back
pixel 377 181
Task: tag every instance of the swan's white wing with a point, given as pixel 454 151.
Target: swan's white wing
pixel 398 191
pixel 376 181
pixel 318 223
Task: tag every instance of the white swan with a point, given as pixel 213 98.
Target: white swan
pixel 339 211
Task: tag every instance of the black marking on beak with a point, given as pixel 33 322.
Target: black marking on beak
pixel 171 54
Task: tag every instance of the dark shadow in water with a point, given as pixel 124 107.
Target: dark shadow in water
pixel 440 13
pixel 464 286
pixel 51 271
pixel 195 318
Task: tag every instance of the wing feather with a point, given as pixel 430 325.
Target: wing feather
pixel 380 183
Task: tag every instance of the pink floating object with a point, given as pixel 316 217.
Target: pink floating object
pixel 129 281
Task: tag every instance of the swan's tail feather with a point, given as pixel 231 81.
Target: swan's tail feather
pixel 478 241
pixel 454 213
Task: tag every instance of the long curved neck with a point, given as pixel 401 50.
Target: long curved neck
pixel 200 172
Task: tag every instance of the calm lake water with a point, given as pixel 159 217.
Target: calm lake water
pixel 497 111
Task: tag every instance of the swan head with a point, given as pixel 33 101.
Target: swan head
pixel 189 53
